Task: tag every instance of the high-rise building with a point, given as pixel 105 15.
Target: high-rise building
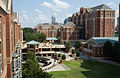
pixel 96 21
pixel 53 19
pixel 119 22
pixel 8 40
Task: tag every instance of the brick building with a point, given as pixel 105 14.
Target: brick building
pixel 96 21
pixel 66 32
pixel 70 32
pixel 94 46
pixel 8 40
pixel 51 30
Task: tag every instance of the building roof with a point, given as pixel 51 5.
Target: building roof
pixel 69 24
pixel 58 25
pixel 14 54
pixel 102 40
pixel 51 39
pixel 103 6
pixel 32 42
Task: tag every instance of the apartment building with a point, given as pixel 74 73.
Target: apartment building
pixel 70 32
pixel 8 40
pixel 96 21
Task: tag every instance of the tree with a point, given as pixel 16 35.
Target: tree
pixel 59 55
pixel 116 51
pixel 42 37
pixel 78 54
pixel 77 44
pixel 28 35
pixel 25 33
pixel 108 49
pixel 73 51
pixel 31 68
pixel 68 45
pixel 63 57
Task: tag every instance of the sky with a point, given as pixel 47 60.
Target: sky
pixel 33 12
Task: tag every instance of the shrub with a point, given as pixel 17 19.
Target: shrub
pixel 73 51
pixel 59 55
pixel 78 54
pixel 63 57
pixel 60 61
pixel 55 54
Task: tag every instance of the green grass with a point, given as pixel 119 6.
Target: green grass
pixel 88 69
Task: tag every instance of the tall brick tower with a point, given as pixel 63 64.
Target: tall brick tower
pixel 119 22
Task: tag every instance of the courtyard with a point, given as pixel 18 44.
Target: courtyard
pixel 88 69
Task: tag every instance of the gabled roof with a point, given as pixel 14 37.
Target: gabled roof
pixel 32 42
pixel 51 39
pixel 69 24
pixel 49 25
pixel 102 40
pixel 103 6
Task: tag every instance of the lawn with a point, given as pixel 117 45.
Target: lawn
pixel 88 69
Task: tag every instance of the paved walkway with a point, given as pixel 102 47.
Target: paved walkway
pixel 100 60
pixel 58 67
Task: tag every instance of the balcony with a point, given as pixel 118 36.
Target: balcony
pixel 87 50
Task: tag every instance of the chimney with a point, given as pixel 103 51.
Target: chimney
pixel 119 22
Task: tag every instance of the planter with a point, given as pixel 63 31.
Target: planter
pixel 77 58
pixel 69 51
pixel 59 58
pixel 73 55
pixel 55 57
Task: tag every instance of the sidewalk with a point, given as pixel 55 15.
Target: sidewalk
pixel 100 60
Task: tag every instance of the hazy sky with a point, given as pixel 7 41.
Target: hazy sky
pixel 33 12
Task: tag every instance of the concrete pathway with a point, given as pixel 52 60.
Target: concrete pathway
pixel 58 67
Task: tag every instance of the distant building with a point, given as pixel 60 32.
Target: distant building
pixel 42 49
pixel 51 30
pixel 92 22
pixel 94 46
pixel 117 29
pixel 53 19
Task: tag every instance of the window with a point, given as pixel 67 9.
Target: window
pixel 81 19
pixel 107 14
pixel 113 14
pixel 102 51
pixel 110 14
pixel 97 51
pixel 107 26
pixel 102 14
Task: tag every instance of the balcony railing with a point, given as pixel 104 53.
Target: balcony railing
pixel 88 50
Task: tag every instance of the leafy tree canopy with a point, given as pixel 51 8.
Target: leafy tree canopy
pixel 108 49
pixel 31 68
pixel 77 44
pixel 28 35
pixel 68 45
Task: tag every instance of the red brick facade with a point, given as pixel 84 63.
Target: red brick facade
pixel 51 30
pixel 9 39
pixel 97 21
pixel 70 33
